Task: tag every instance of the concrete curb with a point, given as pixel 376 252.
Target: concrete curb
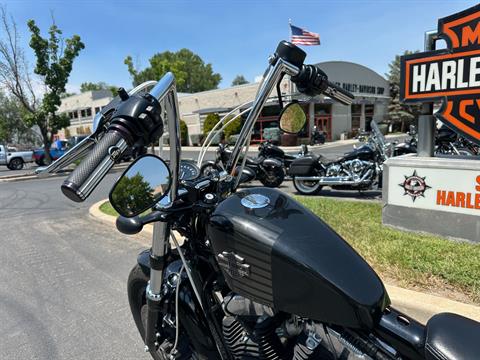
pixel 420 306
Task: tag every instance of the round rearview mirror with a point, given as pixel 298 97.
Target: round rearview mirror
pixel 292 118
pixel 145 182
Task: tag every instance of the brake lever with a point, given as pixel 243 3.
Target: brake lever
pixel 75 153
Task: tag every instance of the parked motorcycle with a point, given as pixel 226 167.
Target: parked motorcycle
pixel 409 146
pixel 318 137
pixel 360 169
pixel 269 150
pixel 447 142
pixel 268 170
pixel 256 275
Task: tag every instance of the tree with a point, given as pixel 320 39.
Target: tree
pixel 133 194
pixel 90 86
pixel 184 133
pixel 12 127
pixel 233 128
pixel 400 114
pixel 191 73
pixel 210 121
pixel 239 80
pixel 55 56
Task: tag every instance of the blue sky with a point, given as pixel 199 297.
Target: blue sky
pixel 235 36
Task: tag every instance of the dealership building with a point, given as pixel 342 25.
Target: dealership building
pixel 371 103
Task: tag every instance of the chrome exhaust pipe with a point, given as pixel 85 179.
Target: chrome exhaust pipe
pixel 336 180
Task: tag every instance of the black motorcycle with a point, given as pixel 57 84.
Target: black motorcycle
pixel 245 274
pixel 447 142
pixel 268 170
pixel 409 146
pixel 360 169
pixel 269 150
pixel 317 137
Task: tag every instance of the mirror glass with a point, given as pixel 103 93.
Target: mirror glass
pixel 292 118
pixel 141 186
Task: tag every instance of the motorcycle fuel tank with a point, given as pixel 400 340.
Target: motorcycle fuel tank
pixel 273 250
pixel 364 152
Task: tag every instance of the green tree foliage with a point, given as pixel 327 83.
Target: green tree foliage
pixel 55 56
pixel 239 80
pixel 191 73
pixel 133 194
pixel 184 132
pixel 233 128
pixel 400 114
pixel 101 85
pixel 210 121
pixel 12 127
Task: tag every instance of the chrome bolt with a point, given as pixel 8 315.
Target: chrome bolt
pixel 146 349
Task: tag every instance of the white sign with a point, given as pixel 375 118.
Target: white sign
pixel 450 190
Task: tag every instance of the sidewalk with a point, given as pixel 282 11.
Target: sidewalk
pixel 418 305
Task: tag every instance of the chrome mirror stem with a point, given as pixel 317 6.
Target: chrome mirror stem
pixel 273 75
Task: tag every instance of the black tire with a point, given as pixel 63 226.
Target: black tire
pixel 16 164
pixel 465 152
pixel 307 187
pixel 273 177
pixel 136 285
pixel 43 161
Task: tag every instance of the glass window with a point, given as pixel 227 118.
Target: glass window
pixel 89 112
pixel 75 114
pixel 83 113
pixel 97 110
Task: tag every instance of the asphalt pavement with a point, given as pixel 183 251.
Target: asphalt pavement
pixel 62 277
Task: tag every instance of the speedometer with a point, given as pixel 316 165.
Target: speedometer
pixel 188 170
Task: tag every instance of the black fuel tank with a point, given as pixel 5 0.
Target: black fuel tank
pixel 364 152
pixel 278 253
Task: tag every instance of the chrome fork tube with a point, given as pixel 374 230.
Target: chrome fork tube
pixel 273 75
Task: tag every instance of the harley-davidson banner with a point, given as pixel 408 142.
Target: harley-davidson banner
pixel 451 75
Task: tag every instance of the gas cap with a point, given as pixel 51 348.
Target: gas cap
pixel 255 201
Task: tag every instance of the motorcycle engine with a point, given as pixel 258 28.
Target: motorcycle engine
pixel 356 168
pixel 255 331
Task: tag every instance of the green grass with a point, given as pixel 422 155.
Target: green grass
pixel 409 259
pixel 107 208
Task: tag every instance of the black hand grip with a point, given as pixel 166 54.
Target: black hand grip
pixel 338 93
pixel 86 176
pixel 313 81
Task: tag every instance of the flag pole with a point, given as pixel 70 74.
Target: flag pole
pixel 290 29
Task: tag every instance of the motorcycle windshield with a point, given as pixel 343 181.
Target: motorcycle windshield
pixel 378 135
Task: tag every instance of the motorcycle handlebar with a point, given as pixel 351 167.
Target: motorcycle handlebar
pixel 88 174
pixel 313 81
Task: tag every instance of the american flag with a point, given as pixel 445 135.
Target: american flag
pixel 304 37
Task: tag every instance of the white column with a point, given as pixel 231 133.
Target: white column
pixel 362 117
pixel 311 115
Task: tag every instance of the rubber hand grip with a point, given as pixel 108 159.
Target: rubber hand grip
pixel 86 176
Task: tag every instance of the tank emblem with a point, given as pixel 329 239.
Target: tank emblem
pixel 255 201
pixel 233 264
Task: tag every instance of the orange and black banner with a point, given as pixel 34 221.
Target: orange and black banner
pixel 451 74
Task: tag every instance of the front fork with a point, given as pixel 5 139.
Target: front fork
pixel 160 248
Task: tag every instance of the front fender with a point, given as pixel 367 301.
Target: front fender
pixel 272 163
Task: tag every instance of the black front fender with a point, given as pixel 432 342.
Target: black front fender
pixel 272 163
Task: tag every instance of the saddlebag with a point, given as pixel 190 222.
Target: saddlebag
pixel 302 166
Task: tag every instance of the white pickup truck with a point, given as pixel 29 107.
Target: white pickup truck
pixel 14 160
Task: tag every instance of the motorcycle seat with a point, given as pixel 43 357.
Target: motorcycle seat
pixel 451 336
